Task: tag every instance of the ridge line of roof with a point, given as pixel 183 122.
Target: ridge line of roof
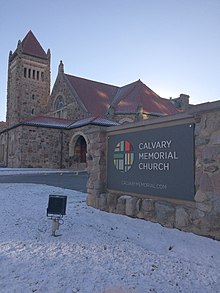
pixel 77 97
pixel 116 100
pixel 27 40
pixel 91 80
pixel 152 90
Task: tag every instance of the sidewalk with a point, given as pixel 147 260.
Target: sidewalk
pixel 18 171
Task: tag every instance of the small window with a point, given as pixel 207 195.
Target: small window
pixel 33 74
pixel 37 75
pixel 25 72
pixel 32 111
pixel 33 97
pixel 59 103
pixel 42 76
pixel 29 73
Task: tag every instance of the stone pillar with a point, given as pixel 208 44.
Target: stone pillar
pixel 206 217
pixel 96 167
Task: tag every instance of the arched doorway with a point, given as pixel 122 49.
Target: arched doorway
pixel 77 151
pixel 80 150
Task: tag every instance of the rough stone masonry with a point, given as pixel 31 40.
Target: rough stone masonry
pixel 200 216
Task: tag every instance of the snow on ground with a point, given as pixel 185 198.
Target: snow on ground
pixel 96 251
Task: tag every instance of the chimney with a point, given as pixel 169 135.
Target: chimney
pixel 184 102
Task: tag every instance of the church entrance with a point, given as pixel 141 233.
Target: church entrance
pixel 80 150
pixel 77 152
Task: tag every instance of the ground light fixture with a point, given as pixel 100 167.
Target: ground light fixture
pixel 56 210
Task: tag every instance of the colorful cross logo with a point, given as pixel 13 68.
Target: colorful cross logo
pixel 123 156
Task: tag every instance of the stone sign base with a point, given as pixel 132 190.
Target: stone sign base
pixel 201 215
pixel 200 218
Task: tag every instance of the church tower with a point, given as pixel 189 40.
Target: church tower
pixel 28 80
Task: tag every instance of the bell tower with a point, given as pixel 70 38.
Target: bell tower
pixel 28 80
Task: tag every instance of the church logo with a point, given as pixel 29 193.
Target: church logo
pixel 123 156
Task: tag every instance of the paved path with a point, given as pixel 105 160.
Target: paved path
pixel 59 178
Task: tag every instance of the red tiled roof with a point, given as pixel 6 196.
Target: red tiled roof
pixel 31 46
pixel 124 92
pixel 137 93
pixel 95 96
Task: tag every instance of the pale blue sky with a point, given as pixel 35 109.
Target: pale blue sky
pixel 173 46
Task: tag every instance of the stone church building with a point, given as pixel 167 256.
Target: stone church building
pixel 47 128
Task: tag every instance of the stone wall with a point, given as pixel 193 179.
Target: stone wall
pixel 34 147
pixel 201 216
pixel 28 87
pixel 27 146
pixel 73 107
pixel 96 166
pixel 3 149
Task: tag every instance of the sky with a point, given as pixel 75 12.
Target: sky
pixel 96 251
pixel 171 45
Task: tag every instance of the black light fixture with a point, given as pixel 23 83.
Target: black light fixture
pixel 56 210
pixel 57 205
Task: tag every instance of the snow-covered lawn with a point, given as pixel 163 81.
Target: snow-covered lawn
pixel 96 251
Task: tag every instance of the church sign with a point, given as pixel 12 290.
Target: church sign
pixel 158 162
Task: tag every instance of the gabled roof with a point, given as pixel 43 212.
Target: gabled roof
pixel 31 46
pixel 137 94
pixel 95 96
pixel 123 92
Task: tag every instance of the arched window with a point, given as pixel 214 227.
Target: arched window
pixel 59 103
pixel 78 151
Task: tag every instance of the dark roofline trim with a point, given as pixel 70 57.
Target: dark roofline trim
pixel 36 56
pixel 43 126
pixel 93 81
pixel 178 118
pixel 15 54
pixel 144 113
pixel 68 127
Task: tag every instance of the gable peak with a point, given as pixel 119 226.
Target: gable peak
pixel 61 67
pixel 31 46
